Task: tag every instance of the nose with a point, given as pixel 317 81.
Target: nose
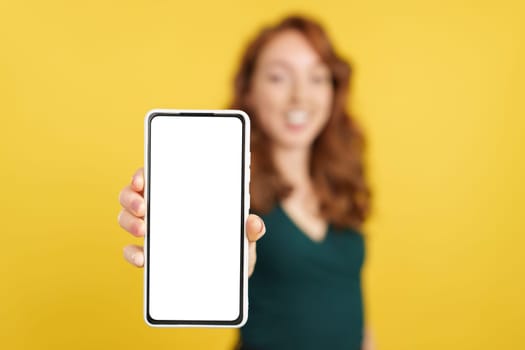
pixel 299 91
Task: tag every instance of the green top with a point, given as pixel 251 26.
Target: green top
pixel 305 294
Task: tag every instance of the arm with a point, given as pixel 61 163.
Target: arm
pixel 368 340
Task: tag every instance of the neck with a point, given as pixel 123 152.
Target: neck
pixel 294 166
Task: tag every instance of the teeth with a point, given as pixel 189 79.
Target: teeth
pixel 297 117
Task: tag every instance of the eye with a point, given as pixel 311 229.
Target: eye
pixel 275 77
pixel 320 78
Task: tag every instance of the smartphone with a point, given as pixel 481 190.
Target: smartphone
pixel 197 173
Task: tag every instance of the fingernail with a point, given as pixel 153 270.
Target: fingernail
pixel 136 259
pixel 261 224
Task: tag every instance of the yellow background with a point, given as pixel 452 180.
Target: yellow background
pixel 439 89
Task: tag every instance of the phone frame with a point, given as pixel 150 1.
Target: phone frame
pixel 245 206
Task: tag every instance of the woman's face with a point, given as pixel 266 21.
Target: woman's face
pixel 291 91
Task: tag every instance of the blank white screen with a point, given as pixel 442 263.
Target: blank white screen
pixel 195 218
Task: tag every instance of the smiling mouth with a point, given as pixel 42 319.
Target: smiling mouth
pixel 297 117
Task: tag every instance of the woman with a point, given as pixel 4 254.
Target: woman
pixel 309 188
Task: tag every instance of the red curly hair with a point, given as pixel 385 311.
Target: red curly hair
pixel 336 165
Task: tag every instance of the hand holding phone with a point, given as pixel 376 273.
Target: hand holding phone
pixel 132 220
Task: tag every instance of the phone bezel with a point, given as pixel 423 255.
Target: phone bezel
pixel 245 203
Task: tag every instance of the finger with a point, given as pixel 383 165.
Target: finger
pixel 137 180
pixel 134 254
pixel 132 201
pixel 252 257
pixel 255 228
pixel 131 223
